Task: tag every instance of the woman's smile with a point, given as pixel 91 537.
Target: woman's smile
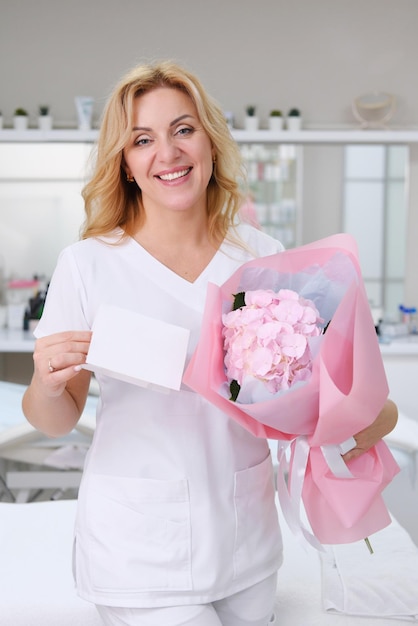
pixel 174 175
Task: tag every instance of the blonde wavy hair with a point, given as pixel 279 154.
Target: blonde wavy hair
pixel 112 202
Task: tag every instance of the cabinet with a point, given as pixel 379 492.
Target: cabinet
pixel 41 179
pixel 400 358
pixel 41 209
pixel 38 203
pixel 273 172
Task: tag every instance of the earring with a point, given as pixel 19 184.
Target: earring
pixel 214 158
pixel 130 178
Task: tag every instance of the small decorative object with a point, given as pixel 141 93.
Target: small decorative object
pixel 44 119
pixel 1 120
pixel 374 110
pixel 294 120
pixel 229 116
pixel 276 120
pixel 20 119
pixel 84 106
pixel 251 119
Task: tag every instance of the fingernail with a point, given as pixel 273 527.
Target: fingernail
pixel 78 368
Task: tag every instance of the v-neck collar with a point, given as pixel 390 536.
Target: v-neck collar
pixel 225 261
pixel 192 294
pixel 163 270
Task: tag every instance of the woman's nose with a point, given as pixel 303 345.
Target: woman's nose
pixel 167 149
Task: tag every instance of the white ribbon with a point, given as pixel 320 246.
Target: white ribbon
pixel 290 495
pixel 290 491
pixel 332 454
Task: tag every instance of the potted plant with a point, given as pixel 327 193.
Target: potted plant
pixel 275 120
pixel 251 119
pixel 20 119
pixel 44 118
pixel 294 119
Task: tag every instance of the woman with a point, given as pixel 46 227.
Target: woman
pixel 176 520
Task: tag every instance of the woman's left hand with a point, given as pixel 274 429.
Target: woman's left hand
pixel 384 423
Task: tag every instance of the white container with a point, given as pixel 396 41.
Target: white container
pixel 229 116
pixel 3 316
pixel 398 329
pixel 45 122
pixel 293 123
pixel 20 122
pixel 251 123
pixel 276 122
pixel 15 316
pixel 84 106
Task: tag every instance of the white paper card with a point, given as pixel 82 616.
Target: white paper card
pixel 137 349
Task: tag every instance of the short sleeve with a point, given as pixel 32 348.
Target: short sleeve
pixel 259 241
pixel 66 299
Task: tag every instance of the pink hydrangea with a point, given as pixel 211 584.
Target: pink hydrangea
pixel 267 339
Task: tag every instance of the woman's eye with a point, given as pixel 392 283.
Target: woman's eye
pixel 185 130
pixel 142 141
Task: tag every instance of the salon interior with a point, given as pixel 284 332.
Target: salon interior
pixel 340 154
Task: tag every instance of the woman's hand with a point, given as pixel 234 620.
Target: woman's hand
pixel 58 358
pixel 383 424
pixel 56 396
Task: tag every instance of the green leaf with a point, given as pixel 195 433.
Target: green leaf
pixel 234 388
pixel 239 300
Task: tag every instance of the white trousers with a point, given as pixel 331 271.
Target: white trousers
pixel 250 607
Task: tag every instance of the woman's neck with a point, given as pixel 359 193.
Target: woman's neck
pixel 182 245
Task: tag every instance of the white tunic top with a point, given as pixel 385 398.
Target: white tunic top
pixel 176 503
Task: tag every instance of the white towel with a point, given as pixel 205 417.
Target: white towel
pixel 405 434
pixel 383 584
pixel 36 582
pixel 403 443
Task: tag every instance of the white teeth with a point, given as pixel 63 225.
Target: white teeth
pixel 174 175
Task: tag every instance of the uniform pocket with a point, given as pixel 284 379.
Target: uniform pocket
pixel 258 541
pixel 138 533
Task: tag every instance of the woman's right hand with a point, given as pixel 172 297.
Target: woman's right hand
pixel 58 358
pixel 56 396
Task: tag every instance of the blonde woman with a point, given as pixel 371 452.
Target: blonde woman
pixel 176 516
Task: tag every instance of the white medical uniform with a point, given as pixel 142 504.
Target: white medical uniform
pixel 176 504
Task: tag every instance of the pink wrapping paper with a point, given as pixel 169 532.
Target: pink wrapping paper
pixel 345 393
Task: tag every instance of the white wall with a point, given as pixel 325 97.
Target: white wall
pixel 314 54
pixel 317 55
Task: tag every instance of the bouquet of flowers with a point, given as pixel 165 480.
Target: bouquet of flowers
pixel 265 360
pixel 266 340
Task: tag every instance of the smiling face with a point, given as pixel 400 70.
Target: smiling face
pixel 169 154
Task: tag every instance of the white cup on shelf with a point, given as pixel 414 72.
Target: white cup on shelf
pixel 3 316
pixel 15 315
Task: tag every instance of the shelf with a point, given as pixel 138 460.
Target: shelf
pixel 16 340
pixel 346 136
pixel 400 346
pixel 35 135
pixel 328 136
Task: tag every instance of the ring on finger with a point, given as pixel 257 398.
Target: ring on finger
pixel 50 366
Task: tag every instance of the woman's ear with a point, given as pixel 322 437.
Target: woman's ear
pixel 128 172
